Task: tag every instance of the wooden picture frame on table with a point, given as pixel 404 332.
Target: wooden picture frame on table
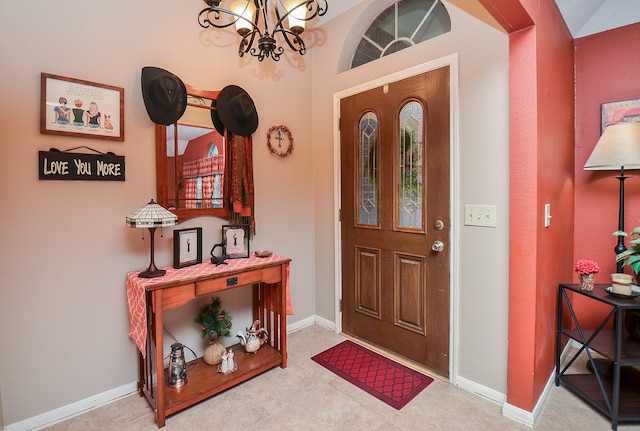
pixel 74 107
pixel 187 247
pixel 235 240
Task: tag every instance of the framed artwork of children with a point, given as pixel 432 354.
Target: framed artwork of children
pixel 74 107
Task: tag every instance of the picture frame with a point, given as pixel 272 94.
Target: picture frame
pixel 68 105
pixel 235 240
pixel 624 111
pixel 187 247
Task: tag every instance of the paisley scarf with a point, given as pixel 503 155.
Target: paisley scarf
pixel 242 192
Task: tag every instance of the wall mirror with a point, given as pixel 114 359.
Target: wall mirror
pixel 192 161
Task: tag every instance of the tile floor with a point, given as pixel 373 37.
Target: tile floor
pixel 306 396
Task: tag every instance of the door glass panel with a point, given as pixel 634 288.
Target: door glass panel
pixel 410 172
pixel 402 25
pixel 368 170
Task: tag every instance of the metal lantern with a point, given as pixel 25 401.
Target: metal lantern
pixel 177 366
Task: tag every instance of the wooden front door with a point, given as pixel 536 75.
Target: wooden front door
pixel 395 217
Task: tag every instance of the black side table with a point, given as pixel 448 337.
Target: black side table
pixel 617 398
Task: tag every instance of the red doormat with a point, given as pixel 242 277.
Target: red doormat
pixel 381 377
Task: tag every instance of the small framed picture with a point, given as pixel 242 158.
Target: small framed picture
pixel 235 239
pixel 187 247
pixel 624 111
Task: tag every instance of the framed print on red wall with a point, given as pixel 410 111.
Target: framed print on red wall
pixel 624 111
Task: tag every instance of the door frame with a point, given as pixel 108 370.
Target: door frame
pixel 451 61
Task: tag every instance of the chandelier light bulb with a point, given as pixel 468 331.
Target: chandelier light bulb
pixel 245 11
pixel 297 15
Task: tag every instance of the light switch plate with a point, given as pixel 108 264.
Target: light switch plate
pixel 480 215
pixel 547 215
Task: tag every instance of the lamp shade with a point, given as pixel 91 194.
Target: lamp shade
pixel 152 215
pixel 618 147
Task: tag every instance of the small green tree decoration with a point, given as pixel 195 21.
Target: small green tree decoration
pixel 214 322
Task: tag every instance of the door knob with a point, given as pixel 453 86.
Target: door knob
pixel 437 246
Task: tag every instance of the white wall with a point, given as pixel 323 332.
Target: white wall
pixel 482 176
pixel 63 315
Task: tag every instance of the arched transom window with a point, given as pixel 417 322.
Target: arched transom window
pixel 403 24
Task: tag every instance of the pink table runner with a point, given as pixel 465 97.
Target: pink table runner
pixel 136 287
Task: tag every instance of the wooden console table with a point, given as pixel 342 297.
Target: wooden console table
pixel 148 298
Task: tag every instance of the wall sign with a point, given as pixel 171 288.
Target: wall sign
pixel 63 165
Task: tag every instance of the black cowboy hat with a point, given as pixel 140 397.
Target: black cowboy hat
pixel 217 122
pixel 235 111
pixel 164 95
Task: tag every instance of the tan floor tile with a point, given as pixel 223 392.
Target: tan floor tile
pixel 306 396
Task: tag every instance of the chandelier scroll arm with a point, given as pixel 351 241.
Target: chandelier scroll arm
pixel 205 21
pixel 293 39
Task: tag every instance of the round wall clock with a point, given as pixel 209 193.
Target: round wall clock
pixel 280 141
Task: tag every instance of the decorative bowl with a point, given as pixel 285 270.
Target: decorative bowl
pixel 264 253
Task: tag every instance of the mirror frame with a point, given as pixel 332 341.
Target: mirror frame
pixel 162 189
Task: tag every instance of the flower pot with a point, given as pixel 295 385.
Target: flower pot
pixel 587 281
pixel 213 353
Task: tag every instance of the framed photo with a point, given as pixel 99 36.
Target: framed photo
pixel 187 247
pixel 74 107
pixel 235 240
pixel 625 111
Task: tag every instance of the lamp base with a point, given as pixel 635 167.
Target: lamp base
pixel 151 273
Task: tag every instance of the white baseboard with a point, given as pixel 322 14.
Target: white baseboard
pixel 326 323
pixel 292 327
pixel 480 390
pixel 73 409
pixel 529 418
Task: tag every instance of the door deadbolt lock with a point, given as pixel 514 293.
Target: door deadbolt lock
pixel 438 246
pixel 438 225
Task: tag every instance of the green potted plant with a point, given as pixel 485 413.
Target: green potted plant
pixel 214 323
pixel 631 256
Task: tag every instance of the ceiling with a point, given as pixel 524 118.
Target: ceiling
pixel 587 17
pixel 583 17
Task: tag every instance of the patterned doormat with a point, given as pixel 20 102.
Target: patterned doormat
pixel 387 380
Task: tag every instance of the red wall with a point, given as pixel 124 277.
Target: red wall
pixel 548 151
pixel 542 157
pixel 607 69
pixel 542 140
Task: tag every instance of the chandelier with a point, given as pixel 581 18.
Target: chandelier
pixel 250 18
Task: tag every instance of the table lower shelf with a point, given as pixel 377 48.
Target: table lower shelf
pixel 204 381
pixel 586 386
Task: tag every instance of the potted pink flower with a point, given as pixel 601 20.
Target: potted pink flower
pixel 587 269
